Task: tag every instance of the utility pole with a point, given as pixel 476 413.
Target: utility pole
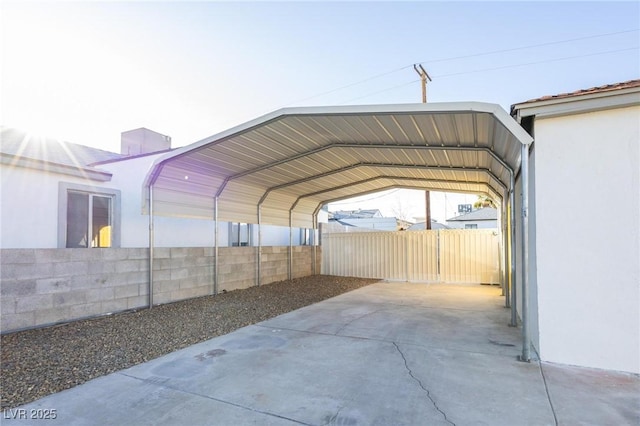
pixel 423 79
pixel 427 196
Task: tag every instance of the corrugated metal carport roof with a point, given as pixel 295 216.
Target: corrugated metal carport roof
pixel 281 168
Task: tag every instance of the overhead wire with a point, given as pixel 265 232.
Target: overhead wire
pixel 496 68
pixel 453 58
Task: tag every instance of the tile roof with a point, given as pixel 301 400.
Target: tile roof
pixel 592 90
pixel 487 213
pixel 18 143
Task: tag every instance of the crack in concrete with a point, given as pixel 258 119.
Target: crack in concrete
pixel 354 320
pixel 334 417
pixel 419 382
pixel 546 388
pixel 222 401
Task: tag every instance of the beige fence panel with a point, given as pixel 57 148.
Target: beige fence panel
pixel 422 259
pixel 469 256
pixel 465 256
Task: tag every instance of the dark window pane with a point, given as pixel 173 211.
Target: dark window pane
pixel 77 220
pixel 101 221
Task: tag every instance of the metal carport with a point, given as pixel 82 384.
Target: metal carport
pixel 281 168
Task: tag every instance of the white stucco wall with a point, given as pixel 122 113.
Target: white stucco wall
pixel 29 205
pixel 481 224
pixel 588 238
pixel 29 211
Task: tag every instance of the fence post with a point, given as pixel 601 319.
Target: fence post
pixel 438 255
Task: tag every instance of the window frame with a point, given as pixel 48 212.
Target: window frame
pixel 64 188
pixel 239 233
pixel 470 226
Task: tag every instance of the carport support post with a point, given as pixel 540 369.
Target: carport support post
pixel 215 250
pixel 315 228
pixel 512 257
pixel 290 271
pixel 524 176
pixel 259 249
pixel 151 242
pixel 505 247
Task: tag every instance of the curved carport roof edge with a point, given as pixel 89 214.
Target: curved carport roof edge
pixel 255 128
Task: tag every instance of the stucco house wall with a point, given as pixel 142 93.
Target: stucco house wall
pixel 481 224
pixel 587 169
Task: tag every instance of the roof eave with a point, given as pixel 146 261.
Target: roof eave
pixel 578 104
pixel 64 169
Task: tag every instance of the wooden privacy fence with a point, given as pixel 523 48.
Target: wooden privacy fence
pixel 460 256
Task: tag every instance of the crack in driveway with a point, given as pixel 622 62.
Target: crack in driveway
pixel 406 366
pixel 354 320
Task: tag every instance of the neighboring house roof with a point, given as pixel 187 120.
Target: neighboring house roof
pixel 592 90
pixel 377 223
pixel 487 213
pixel 420 226
pixel 356 214
pixel 19 143
pixel 18 148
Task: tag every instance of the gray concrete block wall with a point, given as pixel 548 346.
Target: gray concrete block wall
pixel 39 287
pixel 275 264
pixel 182 273
pixel 47 286
pixel 237 268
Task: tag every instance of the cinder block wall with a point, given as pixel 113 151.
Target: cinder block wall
pixel 39 287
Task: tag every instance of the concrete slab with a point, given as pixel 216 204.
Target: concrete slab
pixel 390 353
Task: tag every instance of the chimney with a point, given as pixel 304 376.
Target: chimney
pixel 143 141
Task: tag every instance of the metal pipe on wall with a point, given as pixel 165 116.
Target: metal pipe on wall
pixel 524 176
pixel 151 243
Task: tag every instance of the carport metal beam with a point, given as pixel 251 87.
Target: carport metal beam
pixel 280 162
pixel 383 165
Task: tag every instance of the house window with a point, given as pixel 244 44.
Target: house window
pixel 88 217
pixel 89 220
pixel 240 234
pixel 471 226
pixel 305 236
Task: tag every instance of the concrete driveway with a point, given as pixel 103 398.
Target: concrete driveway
pixel 386 354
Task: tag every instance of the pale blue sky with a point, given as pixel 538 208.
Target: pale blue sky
pixel 84 72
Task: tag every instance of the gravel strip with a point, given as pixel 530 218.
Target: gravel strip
pixel 36 363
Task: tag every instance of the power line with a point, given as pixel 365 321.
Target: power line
pixel 456 58
pixel 493 69
pixel 349 85
pixel 551 43
pixel 537 62
pixel 380 91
